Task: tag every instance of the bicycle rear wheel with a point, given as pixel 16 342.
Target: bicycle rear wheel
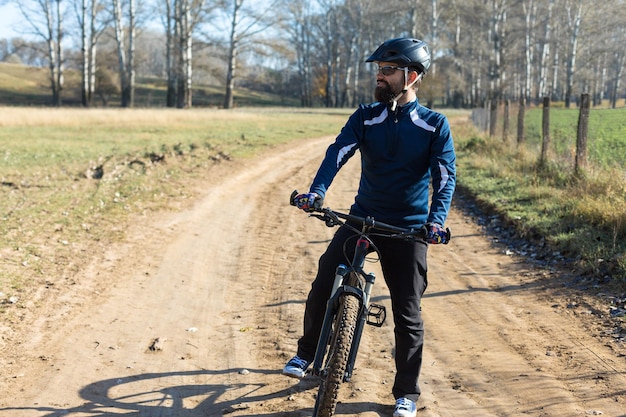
pixel 338 355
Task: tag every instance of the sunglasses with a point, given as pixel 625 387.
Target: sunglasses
pixel 389 69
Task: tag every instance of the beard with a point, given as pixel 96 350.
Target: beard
pixel 384 94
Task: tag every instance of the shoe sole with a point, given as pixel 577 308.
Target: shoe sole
pixel 294 376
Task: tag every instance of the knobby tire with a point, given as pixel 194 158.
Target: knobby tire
pixel 338 355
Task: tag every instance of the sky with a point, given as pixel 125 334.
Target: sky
pixel 10 18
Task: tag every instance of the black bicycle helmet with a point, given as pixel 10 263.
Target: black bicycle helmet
pixel 406 52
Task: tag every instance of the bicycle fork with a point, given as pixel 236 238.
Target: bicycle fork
pixel 372 314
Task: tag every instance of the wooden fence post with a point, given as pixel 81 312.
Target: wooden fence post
pixel 521 132
pixel 505 126
pixel 546 131
pixel 581 135
pixel 493 118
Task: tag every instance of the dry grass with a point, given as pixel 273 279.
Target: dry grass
pixel 582 218
pixel 70 179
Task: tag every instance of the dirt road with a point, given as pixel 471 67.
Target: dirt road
pixel 197 313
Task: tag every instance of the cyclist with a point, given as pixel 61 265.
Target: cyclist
pixel 404 148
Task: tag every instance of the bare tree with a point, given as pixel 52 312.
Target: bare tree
pixel 530 10
pixel 90 30
pixel 45 18
pixel 300 33
pixel 542 89
pixel 574 16
pixel 482 49
pixel 232 54
pixel 125 49
pixel 619 59
pixel 246 24
pixel 497 35
pixel 170 62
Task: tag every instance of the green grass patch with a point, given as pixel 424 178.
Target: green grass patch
pixel 72 177
pixel 582 218
pixel 606 141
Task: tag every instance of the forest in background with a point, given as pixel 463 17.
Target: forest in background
pixel 314 51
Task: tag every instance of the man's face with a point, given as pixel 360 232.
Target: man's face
pixel 388 86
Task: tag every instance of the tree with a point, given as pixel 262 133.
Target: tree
pixel 574 17
pixel 300 34
pixel 125 51
pixel 246 24
pixel 182 18
pixel 45 18
pixel 542 89
pixel 90 32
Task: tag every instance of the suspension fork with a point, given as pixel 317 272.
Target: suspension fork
pixel 360 325
pixel 331 311
pixel 342 285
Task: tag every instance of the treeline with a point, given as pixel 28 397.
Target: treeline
pixel 484 50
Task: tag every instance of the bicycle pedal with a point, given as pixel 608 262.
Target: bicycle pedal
pixel 376 315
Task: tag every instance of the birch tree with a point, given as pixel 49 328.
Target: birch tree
pixel 497 36
pixel 90 30
pixel 45 19
pixel 542 90
pixel 574 16
pixel 530 11
pixel 619 59
pixel 248 22
pixel 182 18
pixel 125 39
pixel 233 49
pixel 300 33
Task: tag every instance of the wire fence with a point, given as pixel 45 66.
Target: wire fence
pixel 553 132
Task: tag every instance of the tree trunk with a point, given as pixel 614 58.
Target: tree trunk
pixel 52 57
pixel 93 38
pixel 619 61
pixel 186 61
pixel 171 29
pixel 329 59
pixel 121 51
pixel 229 100
pixel 130 69
pixel 542 91
pixel 60 59
pixel 521 135
pixel 530 9
pixel 505 122
pixel 85 55
pixel 571 61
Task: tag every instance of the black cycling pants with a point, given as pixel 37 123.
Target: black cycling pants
pixel 404 268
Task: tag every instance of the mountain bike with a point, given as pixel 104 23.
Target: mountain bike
pixel 348 309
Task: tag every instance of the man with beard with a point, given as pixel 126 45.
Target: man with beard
pixel 404 148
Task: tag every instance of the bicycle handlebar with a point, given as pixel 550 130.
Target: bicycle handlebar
pixel 335 218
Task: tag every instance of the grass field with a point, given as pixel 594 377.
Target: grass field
pixel 606 141
pixel 73 176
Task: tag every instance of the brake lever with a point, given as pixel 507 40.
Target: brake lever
pixel 329 219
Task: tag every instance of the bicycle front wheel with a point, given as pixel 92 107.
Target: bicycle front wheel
pixel 338 356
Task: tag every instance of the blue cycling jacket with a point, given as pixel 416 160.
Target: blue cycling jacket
pixel 401 153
